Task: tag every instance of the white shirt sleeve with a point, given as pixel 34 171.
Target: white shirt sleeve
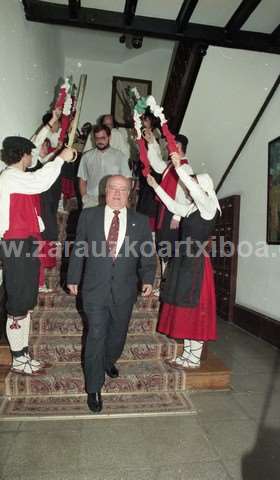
pixel 82 170
pixel 181 194
pixel 2 165
pixel 31 183
pixel 155 158
pixel 173 206
pixel 38 141
pixel 205 204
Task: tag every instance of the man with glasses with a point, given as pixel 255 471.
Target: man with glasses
pixel 114 244
pixel 97 164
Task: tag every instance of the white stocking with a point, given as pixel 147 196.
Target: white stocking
pixel 196 351
pixel 191 359
pixel 26 328
pixel 17 330
pixel 15 334
pixel 186 352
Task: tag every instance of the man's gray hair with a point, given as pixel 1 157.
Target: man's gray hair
pixel 127 179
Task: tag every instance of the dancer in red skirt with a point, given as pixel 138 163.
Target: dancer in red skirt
pixel 188 309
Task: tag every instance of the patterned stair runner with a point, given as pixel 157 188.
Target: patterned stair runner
pixel 147 384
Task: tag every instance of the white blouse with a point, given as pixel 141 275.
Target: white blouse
pixel 206 204
pixel 160 166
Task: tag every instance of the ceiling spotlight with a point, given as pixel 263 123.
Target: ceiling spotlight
pixel 137 42
pixel 131 41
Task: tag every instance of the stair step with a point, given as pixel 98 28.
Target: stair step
pixel 135 377
pixel 114 405
pixel 59 298
pixel 68 322
pixel 68 349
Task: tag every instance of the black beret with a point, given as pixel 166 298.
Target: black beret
pixel 46 118
pixel 18 143
pixel 181 139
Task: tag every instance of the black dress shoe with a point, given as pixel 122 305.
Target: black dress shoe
pixel 113 372
pixel 94 402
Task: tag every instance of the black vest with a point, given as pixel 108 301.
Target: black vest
pixel 183 276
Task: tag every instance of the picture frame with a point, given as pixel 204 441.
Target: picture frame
pixel 273 193
pixel 121 104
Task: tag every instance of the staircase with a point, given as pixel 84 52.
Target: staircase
pixel 146 385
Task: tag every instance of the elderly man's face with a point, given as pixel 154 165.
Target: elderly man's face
pixel 117 192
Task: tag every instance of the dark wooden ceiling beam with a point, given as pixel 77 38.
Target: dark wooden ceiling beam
pixel 185 14
pixel 241 15
pixel 276 32
pixel 183 72
pixel 91 18
pixel 74 7
pixel 129 11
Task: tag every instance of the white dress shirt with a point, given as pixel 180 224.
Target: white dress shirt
pixel 108 217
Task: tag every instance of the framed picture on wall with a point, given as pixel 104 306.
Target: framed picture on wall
pixel 273 192
pixel 122 105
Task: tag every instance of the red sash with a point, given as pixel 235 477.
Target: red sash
pixel 169 184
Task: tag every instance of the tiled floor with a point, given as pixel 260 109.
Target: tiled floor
pixel 235 435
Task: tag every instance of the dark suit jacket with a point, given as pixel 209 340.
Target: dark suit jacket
pixel 102 276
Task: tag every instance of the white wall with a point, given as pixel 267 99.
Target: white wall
pixel 151 65
pixel 31 64
pixel 229 91
pixel 231 88
pixel 258 278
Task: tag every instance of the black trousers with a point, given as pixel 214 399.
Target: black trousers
pixel 2 311
pixel 21 274
pixel 106 335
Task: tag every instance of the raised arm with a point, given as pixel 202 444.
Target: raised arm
pixel 39 138
pixel 31 183
pixel 154 153
pixel 173 206
pixel 206 204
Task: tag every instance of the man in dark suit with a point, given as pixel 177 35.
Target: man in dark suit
pixel 117 243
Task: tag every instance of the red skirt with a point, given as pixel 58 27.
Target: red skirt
pixel 49 254
pixel 68 188
pixel 198 323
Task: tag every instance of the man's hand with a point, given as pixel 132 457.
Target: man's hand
pixel 67 154
pixel 147 290
pixel 148 135
pixel 176 159
pixel 59 146
pixel 73 289
pixel 151 181
pixel 174 224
